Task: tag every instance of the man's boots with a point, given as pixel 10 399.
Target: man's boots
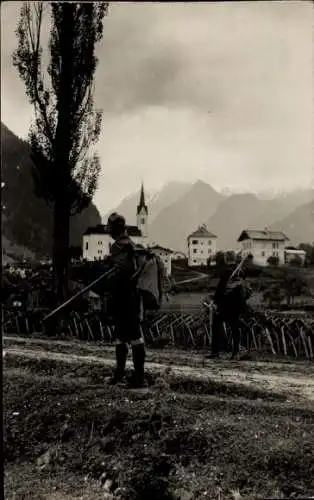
pixel 121 356
pixel 138 378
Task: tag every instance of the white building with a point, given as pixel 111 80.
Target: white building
pixel 293 254
pixel 165 254
pixel 97 240
pixel 262 245
pixel 202 245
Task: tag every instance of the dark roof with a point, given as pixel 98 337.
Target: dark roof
pixel 103 229
pixel 202 232
pixel 163 249
pixel 250 234
pixel 142 204
pixel 295 250
pixel 99 229
pixel 133 231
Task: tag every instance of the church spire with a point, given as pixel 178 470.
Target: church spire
pixel 142 205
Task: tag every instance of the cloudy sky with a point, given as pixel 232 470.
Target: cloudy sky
pixel 220 92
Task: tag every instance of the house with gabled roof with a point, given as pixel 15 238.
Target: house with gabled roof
pixel 202 245
pixel 262 244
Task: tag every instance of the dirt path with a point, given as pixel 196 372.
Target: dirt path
pixel 295 381
pixel 205 428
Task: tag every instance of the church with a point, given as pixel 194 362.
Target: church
pixel 97 240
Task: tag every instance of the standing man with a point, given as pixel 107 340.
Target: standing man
pixel 230 302
pixel 125 303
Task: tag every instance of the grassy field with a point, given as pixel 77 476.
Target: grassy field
pixel 203 429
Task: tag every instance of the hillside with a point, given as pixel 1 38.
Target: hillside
pixel 299 225
pixel 27 220
pixel 174 223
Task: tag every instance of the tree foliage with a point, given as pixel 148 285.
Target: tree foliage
pixel 66 126
pixel 273 260
pixel 294 285
pixel 273 295
pixel 309 250
pixel 62 96
pixel 296 261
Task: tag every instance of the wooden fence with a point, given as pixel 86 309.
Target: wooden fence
pixel 279 334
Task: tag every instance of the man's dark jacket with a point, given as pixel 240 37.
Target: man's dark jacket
pixel 228 304
pixel 124 295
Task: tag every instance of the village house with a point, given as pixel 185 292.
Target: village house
pixel 294 254
pixel 165 255
pixel 97 240
pixel 262 244
pixel 176 255
pixel 202 245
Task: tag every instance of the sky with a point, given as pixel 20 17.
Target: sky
pixel 222 92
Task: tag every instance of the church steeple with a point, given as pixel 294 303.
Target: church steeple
pixel 142 214
pixel 142 207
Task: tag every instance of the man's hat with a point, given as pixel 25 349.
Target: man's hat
pixel 116 220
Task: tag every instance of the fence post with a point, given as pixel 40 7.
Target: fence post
pixel 210 310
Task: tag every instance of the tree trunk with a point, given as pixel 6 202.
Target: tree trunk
pixel 61 249
pixel 63 144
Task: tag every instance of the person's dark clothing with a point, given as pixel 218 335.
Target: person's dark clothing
pixel 125 310
pixel 219 339
pixel 230 301
pixel 124 303
pixel 221 287
pixel 229 308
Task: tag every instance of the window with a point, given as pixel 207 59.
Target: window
pixel 275 244
pixel 202 251
pixel 209 242
pixel 194 261
pixel 99 251
pixel 194 242
pixel 202 242
pixel 263 254
pixel 194 250
pixel 86 245
pixel 100 242
pixel 142 221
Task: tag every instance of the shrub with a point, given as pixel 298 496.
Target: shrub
pixel 273 295
pixel 273 260
pixel 296 261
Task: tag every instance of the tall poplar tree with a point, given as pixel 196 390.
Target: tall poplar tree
pixel 66 125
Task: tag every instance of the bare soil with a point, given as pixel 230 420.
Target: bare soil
pixel 202 429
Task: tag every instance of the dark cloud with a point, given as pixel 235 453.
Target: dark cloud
pixel 222 92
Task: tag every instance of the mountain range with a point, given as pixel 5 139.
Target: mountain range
pixel 179 208
pixel 174 211
pixel 26 219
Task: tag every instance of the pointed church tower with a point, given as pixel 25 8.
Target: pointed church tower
pixel 142 214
